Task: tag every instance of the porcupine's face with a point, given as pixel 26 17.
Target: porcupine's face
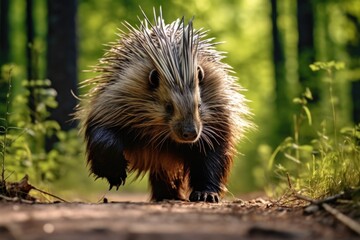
pixel 181 106
pixel 165 82
pixel 174 78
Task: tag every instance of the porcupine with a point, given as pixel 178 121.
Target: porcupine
pixel 164 103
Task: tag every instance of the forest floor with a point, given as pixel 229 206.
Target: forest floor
pixel 252 218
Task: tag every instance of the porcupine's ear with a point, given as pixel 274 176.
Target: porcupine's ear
pixel 105 155
pixel 200 73
pixel 154 79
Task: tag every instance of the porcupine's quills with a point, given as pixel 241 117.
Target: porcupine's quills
pixel 164 103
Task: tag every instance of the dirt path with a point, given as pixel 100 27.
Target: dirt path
pixel 254 219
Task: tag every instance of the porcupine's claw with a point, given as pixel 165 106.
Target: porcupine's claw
pixel 204 196
pixel 117 186
pixel 116 183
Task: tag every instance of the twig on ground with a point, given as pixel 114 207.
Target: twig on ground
pixel 318 202
pixel 51 195
pixel 21 189
pixel 349 222
pixel 289 181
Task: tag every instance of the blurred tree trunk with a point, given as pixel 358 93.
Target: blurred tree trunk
pixel 62 59
pixel 281 96
pixel 353 49
pixel 306 49
pixel 4 32
pixel 4 49
pixel 355 93
pixel 30 39
pixel 31 66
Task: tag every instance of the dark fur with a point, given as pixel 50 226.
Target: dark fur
pixel 206 171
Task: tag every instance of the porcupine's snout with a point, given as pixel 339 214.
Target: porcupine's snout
pixel 185 123
pixel 188 129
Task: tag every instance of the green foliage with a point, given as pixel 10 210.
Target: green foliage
pixel 24 134
pixel 326 165
pixel 250 53
pixel 327 66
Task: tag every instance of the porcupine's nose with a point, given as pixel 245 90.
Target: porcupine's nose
pixel 189 132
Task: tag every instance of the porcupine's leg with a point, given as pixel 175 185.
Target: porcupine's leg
pixel 162 188
pixel 105 155
pixel 208 174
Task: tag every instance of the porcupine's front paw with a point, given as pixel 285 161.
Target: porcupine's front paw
pixel 113 171
pixel 105 155
pixel 115 174
pixel 117 180
pixel 204 196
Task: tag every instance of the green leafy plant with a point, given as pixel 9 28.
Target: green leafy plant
pixel 24 133
pixel 4 129
pixel 326 165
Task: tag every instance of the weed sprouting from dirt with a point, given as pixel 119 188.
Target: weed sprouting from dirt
pixel 4 128
pixel 23 135
pixel 327 164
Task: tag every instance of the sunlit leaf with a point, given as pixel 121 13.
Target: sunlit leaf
pixel 307 148
pixel 308 94
pixel 314 67
pixel 339 65
pixel 308 114
pixel 298 101
pixel 292 158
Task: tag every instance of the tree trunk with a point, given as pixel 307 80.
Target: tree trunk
pixel 4 32
pixel 355 93
pixel 281 100
pixel 31 66
pixel 353 49
pixel 306 50
pixel 30 39
pixel 62 58
pixel 4 50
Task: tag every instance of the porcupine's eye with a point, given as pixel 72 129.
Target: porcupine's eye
pixel 200 73
pixel 169 108
pixel 154 79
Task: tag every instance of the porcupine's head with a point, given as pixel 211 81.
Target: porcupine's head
pixel 151 82
pixel 174 79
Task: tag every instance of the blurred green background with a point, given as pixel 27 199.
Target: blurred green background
pixel 269 43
